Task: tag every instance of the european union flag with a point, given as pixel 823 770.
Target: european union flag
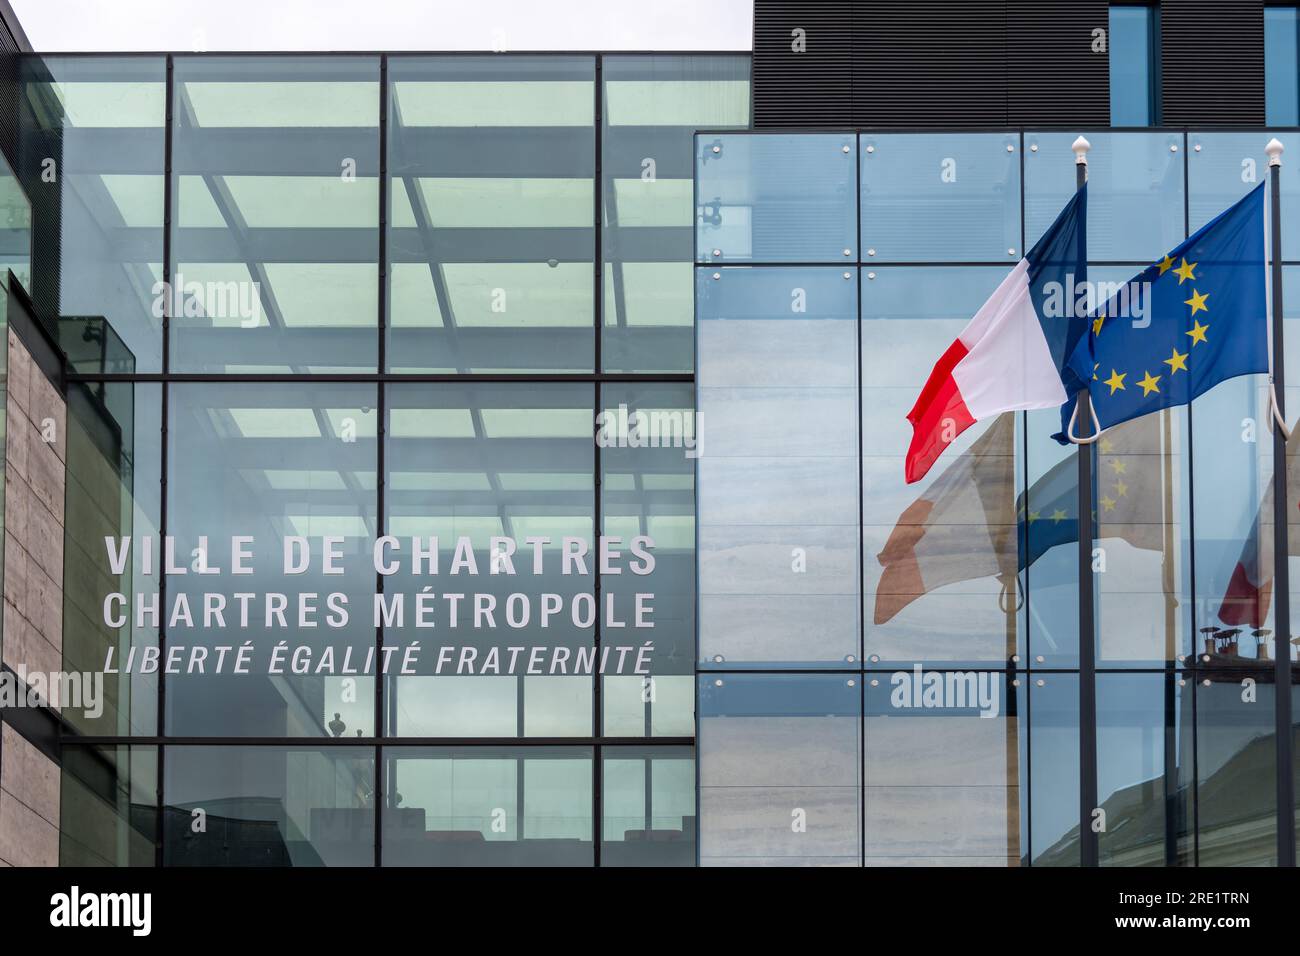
pixel 1184 324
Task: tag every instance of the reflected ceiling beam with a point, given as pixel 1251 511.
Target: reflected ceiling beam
pixel 420 211
pixel 238 229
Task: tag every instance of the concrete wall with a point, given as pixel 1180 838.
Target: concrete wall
pixel 35 451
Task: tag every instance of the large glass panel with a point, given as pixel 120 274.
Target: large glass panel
pixel 777 197
pixel 1281 66
pixel 943 769
pixel 1141 723
pixel 272 462
pixel 1134 55
pixel 780 770
pixel 472 463
pixel 653 105
pixel 114 489
pixel 933 197
pixel 648 806
pixel 275 214
pixel 941 556
pixel 1053 769
pixel 1223 167
pixel 109 806
pixel 487 806
pixel 1135 191
pixel 647 487
pixel 1235 769
pixel 268 806
pixel 93 133
pixel 778 482
pixel 491 219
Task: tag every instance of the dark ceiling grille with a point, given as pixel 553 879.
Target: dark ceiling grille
pixel 1212 62
pixel 930 63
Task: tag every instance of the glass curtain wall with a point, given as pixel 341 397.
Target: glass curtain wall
pixel 890 673
pixel 340 297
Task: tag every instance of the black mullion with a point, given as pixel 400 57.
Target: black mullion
pixel 862 597
pixel 598 312
pixel 165 412
pixel 381 409
pixel 413 378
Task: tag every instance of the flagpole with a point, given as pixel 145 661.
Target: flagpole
pixel 1088 842
pixel 1281 557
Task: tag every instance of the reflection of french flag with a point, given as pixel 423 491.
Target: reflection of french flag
pixel 1250 589
pixel 1011 355
pixel 1247 598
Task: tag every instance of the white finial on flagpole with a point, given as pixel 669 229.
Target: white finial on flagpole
pixel 1274 151
pixel 1081 147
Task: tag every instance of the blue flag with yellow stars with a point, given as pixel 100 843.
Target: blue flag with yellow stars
pixel 1184 324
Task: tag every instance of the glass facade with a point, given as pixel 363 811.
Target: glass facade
pixel 341 297
pixel 890 674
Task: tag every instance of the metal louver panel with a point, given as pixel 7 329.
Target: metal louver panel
pixel 811 87
pixel 1212 62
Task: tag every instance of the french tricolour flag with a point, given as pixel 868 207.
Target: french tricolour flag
pixel 1012 355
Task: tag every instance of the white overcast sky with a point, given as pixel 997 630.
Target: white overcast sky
pixel 181 25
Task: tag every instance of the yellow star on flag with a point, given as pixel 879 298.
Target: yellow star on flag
pixel 1185 271
pixel 1149 384
pixel 1107 446
pixel 1118 466
pixel 1197 302
pixel 1033 516
pixel 1197 333
pixel 1116 381
pixel 1058 516
pixel 1166 264
pixel 1177 362
pixel 1121 489
pixel 1096 324
pixel 1108 503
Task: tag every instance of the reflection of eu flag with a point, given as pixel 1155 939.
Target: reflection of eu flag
pixel 1182 325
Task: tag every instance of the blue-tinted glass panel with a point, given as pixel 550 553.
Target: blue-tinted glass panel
pixel 489 806
pixel 275 217
pixel 1223 167
pixel 780 770
pixel 776 198
pixel 272 461
pixel 943 769
pixel 648 806
pixel 1281 66
pixel 474 462
pixel 491 220
pixel 102 119
pixel 941 556
pixel 1053 769
pixel 269 806
pixel 1132 64
pixel 648 450
pixel 932 197
pixel 778 418
pixel 1052 551
pixel 1135 191
pixel 1141 723
pixel 653 105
